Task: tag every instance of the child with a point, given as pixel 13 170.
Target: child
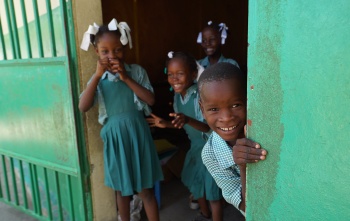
pixel 182 72
pixel 211 38
pixel 131 163
pixel 223 97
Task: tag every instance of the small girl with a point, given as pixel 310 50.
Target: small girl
pixel 123 92
pixel 212 37
pixel 182 71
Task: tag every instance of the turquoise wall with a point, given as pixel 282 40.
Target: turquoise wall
pixel 298 109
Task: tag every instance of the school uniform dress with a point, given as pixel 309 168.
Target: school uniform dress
pixel 205 61
pixel 194 175
pixel 217 157
pixel 130 159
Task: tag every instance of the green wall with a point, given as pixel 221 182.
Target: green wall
pixel 298 109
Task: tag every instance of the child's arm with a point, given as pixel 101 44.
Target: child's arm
pixel 140 91
pixel 246 151
pixel 181 119
pixel 155 121
pixel 87 98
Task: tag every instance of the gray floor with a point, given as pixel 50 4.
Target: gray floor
pixel 174 207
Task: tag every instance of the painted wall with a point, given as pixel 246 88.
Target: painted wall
pixel 298 109
pixel 103 200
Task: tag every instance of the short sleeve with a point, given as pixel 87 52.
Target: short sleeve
pixel 231 61
pixel 140 76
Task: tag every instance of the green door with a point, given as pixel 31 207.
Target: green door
pixel 42 158
pixel 298 109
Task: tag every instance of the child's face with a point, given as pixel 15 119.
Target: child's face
pixel 180 76
pixel 109 46
pixel 211 41
pixel 224 108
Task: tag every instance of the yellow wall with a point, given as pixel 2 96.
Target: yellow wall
pixel 103 199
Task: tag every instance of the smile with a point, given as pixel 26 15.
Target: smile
pixel 227 128
pixel 176 86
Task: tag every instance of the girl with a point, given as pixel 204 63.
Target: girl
pixel 182 72
pixel 131 163
pixel 211 38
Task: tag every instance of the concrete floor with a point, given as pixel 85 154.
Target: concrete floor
pixel 174 207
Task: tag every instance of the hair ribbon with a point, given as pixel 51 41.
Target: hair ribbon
pixel 223 29
pixel 170 54
pixel 92 30
pixel 113 25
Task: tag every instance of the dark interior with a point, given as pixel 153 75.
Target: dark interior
pixel 162 26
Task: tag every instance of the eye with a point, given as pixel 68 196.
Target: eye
pixel 214 109
pixel 180 74
pixel 235 105
pixel 104 51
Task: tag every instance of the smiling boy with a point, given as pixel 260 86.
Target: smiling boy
pixel 223 97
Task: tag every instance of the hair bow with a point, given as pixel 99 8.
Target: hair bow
pixel 200 70
pixel 223 29
pixel 170 54
pixel 113 25
pixel 92 30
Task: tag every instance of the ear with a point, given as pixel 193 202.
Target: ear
pixel 96 50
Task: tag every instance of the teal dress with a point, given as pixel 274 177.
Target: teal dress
pixel 195 175
pixel 130 159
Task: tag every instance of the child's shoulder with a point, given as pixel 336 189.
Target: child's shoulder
pixel 135 68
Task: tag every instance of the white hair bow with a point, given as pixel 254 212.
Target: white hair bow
pixel 113 25
pixel 200 70
pixel 170 54
pixel 92 30
pixel 223 29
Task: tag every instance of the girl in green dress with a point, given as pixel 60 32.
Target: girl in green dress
pixel 123 93
pixel 182 71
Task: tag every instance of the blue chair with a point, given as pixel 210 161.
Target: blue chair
pixel 164 150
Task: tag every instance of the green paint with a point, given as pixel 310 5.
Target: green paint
pixel 39 120
pixel 298 62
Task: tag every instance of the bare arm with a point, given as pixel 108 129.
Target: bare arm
pixel 155 121
pixel 246 151
pixel 141 92
pixel 87 99
pixel 181 119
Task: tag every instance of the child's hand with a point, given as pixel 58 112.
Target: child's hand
pixel 118 67
pixel 155 121
pixel 180 120
pixel 247 151
pixel 102 66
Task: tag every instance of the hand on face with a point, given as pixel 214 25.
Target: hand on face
pixel 102 66
pixel 247 151
pixel 179 121
pixel 117 66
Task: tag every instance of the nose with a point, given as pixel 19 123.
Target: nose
pixel 112 55
pixel 174 77
pixel 226 115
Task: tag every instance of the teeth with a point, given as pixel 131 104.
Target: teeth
pixel 227 128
